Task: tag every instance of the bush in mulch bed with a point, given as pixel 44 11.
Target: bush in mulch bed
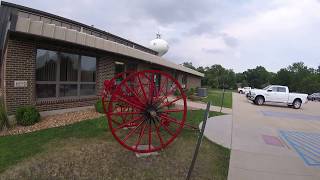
pixel 194 98
pixel 98 106
pixel 4 121
pixel 27 115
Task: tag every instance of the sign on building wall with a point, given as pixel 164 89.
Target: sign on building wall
pixel 20 83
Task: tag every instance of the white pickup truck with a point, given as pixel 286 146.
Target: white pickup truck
pixel 244 90
pixel 277 94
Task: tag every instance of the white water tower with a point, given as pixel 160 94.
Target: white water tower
pixel 159 45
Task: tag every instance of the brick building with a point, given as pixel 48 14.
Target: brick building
pixel 53 63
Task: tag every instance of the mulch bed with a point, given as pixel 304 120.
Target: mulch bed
pixel 54 121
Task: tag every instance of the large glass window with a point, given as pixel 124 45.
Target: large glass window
pixel 46 65
pixel 60 74
pixel 184 80
pixel 69 66
pixel 119 68
pixel 88 69
pixel 46 90
pixel 68 90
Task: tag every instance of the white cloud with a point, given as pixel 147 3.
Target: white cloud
pixel 236 34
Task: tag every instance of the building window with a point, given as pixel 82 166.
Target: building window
pixel 46 65
pixel 184 81
pixel 88 69
pixel 69 67
pixel 60 74
pixel 119 68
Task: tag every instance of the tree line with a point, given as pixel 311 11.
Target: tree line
pixel 297 76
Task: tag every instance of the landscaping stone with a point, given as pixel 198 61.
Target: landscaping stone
pixel 54 121
pixel 141 155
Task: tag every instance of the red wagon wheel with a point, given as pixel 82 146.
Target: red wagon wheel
pixel 153 111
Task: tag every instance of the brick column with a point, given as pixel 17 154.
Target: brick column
pixel 20 64
pixel 105 70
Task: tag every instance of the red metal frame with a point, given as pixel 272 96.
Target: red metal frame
pixel 140 110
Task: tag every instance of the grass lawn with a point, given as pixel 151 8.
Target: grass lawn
pixel 215 96
pixel 88 150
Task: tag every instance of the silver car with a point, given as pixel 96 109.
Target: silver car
pixel 314 97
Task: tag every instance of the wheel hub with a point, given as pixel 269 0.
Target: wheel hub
pixel 153 113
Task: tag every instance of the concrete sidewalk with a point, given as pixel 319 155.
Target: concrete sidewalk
pixel 218 130
pixel 202 105
pixel 257 150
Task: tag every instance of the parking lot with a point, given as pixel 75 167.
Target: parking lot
pixel 272 142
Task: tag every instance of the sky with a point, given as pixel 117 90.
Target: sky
pixel 238 34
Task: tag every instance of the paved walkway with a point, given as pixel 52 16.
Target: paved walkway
pixel 257 149
pixel 202 105
pixel 218 129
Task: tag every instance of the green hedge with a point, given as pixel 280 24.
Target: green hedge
pixel 27 115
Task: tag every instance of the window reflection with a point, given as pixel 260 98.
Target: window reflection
pixel 72 74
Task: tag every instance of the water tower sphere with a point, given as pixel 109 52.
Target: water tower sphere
pixel 159 45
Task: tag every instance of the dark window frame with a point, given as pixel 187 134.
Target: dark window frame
pixel 281 89
pixel 58 82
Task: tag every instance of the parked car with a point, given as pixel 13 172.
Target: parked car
pixel 314 97
pixel 277 94
pixel 244 90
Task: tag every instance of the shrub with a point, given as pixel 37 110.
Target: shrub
pixel 98 106
pixel 27 115
pixel 194 98
pixel 176 92
pixel 190 92
pixel 4 121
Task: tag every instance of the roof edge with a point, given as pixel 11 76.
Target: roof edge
pixel 25 8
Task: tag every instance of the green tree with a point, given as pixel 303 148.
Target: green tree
pixel 188 65
pixel 282 77
pixel 258 77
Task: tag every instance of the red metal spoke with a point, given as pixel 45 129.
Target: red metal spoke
pixel 158 133
pixel 124 113
pixel 151 88
pixel 150 99
pixel 173 101
pixel 147 77
pixel 166 96
pixel 140 135
pixel 128 122
pixel 131 132
pixel 150 135
pixel 142 88
pixel 190 126
pixel 171 110
pixel 161 87
pixel 171 119
pixel 160 138
pixel 166 128
pixel 129 102
pixel 133 92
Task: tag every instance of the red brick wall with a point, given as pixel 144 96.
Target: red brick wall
pixel 193 81
pixel 19 65
pixel 105 70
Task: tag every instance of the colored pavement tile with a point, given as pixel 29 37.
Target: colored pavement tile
pixel 290 115
pixel 272 140
pixel 306 144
